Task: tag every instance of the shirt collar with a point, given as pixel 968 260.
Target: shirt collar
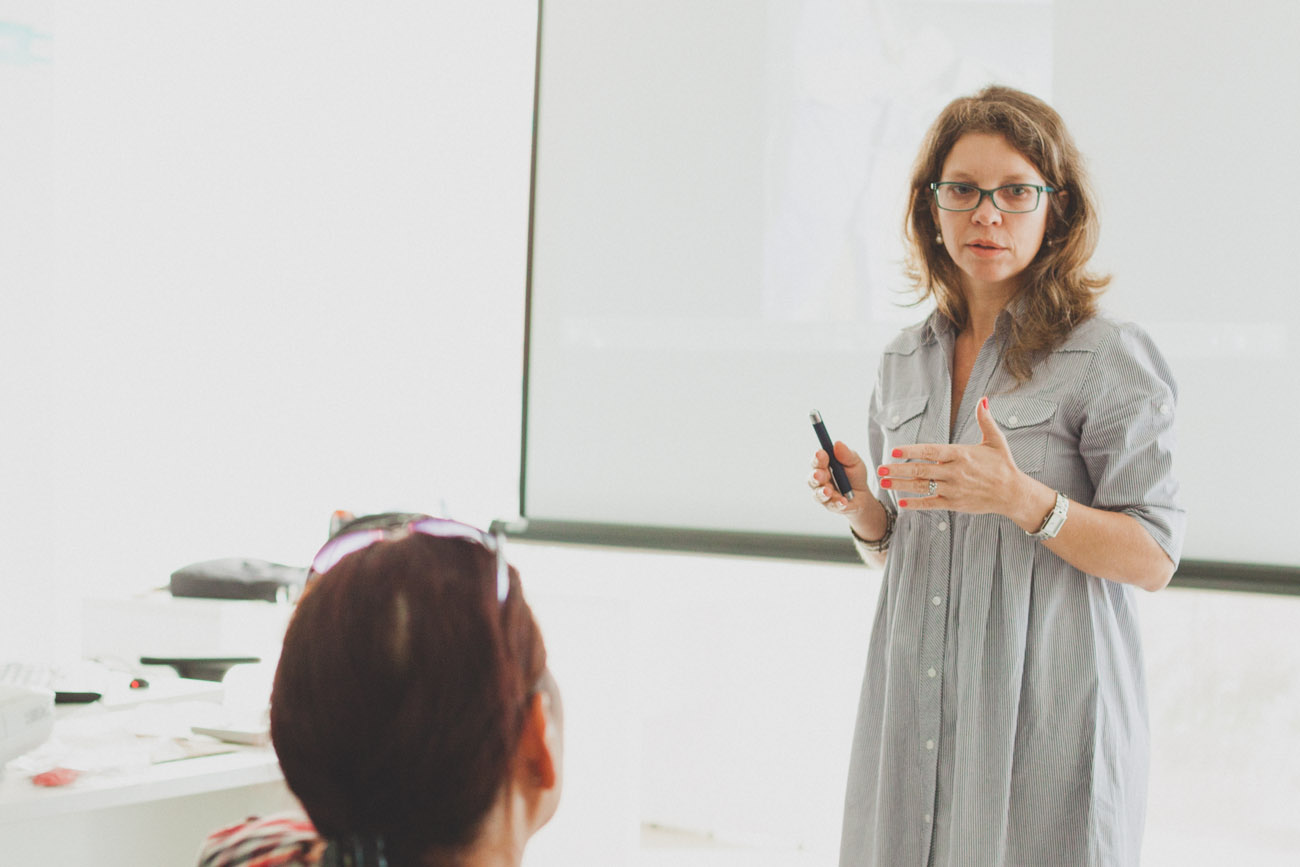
pixel 937 326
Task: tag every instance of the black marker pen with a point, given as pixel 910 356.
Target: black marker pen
pixel 838 476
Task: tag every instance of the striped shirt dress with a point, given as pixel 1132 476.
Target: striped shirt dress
pixel 1003 716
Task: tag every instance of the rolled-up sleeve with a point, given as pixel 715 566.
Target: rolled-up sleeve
pixel 875 454
pixel 1129 401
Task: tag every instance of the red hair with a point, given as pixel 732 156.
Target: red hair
pixel 400 693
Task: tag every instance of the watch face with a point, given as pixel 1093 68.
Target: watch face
pixel 1055 518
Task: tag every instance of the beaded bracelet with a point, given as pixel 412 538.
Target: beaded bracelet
pixel 877 546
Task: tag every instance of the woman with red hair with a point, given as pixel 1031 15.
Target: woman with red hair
pixel 413 713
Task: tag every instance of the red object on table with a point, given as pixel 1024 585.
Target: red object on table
pixel 56 777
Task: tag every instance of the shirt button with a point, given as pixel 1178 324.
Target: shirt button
pixel 936 600
pixel 1013 420
pixel 1164 409
pixel 932 672
pixel 943 525
pixel 929 745
pixel 927 818
pixel 894 420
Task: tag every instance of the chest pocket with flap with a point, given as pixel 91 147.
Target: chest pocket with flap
pixel 1027 424
pixel 901 420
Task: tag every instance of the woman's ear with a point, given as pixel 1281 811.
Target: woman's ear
pixel 1062 209
pixel 1057 214
pixel 537 760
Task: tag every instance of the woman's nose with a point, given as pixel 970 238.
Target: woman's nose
pixel 986 213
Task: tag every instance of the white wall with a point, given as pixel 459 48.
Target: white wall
pixel 273 266
pixel 741 677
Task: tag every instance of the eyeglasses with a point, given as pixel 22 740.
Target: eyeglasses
pixel 350 542
pixel 1008 198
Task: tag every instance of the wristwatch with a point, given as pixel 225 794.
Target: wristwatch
pixel 1054 521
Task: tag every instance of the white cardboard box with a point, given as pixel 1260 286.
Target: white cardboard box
pixel 158 624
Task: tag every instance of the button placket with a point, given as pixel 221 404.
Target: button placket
pixel 934 617
pixel 934 640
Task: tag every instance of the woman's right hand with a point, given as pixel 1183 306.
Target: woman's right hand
pixel 823 488
pixel 865 513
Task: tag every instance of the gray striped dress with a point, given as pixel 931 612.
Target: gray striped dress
pixel 1003 717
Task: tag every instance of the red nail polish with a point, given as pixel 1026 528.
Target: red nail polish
pixel 885 483
pixel 898 453
pixel 984 402
pixel 902 503
pixel 884 471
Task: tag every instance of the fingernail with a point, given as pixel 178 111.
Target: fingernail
pixel 984 402
pixel 898 453
pixel 884 471
pixel 885 483
pixel 839 506
pixel 902 504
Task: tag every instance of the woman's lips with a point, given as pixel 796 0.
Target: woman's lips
pixel 986 249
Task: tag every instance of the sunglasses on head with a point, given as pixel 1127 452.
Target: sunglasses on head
pixel 351 541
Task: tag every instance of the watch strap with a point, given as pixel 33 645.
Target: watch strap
pixel 1054 521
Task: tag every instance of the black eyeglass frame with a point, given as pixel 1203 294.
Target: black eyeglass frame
pixel 934 187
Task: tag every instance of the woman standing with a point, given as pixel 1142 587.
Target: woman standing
pixel 1022 446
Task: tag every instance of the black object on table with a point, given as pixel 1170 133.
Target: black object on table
pixel 212 668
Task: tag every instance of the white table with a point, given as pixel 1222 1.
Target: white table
pixel 150 814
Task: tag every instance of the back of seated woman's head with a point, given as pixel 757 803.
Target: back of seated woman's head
pixel 404 687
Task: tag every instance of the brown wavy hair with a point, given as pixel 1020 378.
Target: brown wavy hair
pixel 400 695
pixel 1058 291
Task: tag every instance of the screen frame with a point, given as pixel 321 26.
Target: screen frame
pixel 1191 573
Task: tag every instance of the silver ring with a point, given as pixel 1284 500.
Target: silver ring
pixel 934 486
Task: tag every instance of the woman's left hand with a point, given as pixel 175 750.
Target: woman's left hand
pixel 977 479
pixel 984 479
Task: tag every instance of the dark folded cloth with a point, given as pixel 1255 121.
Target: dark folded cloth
pixel 238 578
